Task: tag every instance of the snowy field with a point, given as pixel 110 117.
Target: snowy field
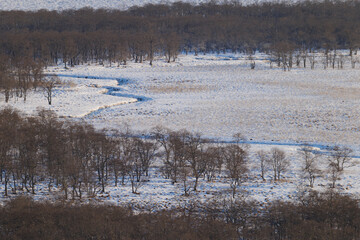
pixel 33 5
pixel 217 95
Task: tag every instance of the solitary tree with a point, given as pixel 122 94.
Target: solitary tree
pixel 48 86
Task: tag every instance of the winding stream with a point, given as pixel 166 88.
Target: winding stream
pixel 118 91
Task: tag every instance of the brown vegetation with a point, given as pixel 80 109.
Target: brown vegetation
pixel 313 216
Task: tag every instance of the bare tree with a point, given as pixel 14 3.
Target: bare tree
pixel 251 61
pixel 171 44
pixel 162 136
pixel 48 86
pixel 279 163
pixel 116 160
pixel 135 174
pixel 7 82
pixel 29 157
pixel 126 153
pixel 214 161
pixel 177 142
pixel 264 161
pixel 10 122
pixel 196 156
pixel 236 160
pixel 101 154
pixel 52 143
pixel 339 159
pixel 146 151
pixel 310 167
pixel 184 173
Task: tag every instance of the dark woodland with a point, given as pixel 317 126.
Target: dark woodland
pixel 325 216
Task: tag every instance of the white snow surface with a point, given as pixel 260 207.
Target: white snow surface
pixel 69 4
pixel 75 99
pixel 34 5
pixel 217 95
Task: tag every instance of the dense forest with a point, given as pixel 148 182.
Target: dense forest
pixel 76 36
pixel 325 216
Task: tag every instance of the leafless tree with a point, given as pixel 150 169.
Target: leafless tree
pixel 171 46
pixel 135 173
pixel 251 61
pixel 146 151
pixel 177 145
pixel 162 136
pixel 214 161
pixel 310 167
pixel 196 156
pixel 279 163
pixel 10 122
pixel 126 155
pixel 184 173
pixel 102 152
pixel 312 60
pixel 339 159
pixel 264 161
pixel 29 157
pixel 236 165
pixel 48 86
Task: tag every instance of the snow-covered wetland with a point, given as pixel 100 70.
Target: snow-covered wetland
pixel 217 95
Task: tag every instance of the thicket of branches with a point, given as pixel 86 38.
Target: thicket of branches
pixel 322 216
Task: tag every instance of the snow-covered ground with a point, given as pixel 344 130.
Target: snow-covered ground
pixel 217 95
pixel 74 99
pixel 33 5
pixel 159 193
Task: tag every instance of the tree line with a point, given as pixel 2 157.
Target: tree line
pixel 20 77
pixel 74 158
pixel 324 216
pixel 291 34
pixel 77 36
